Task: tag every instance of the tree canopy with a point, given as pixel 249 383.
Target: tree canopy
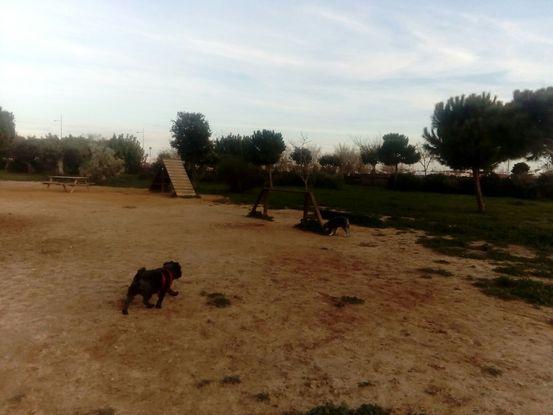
pixel 232 145
pixel 7 129
pixel 531 112
pixel 395 149
pixel 329 160
pixel 470 132
pixel 191 134
pixel 266 147
pixel 520 168
pixel 127 148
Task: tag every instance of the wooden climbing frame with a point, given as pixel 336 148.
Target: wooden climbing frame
pixel 309 201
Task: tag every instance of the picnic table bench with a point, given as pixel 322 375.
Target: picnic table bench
pixel 68 181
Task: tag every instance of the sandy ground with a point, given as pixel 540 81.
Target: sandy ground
pixel 416 343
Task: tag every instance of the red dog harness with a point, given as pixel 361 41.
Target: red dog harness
pixel 166 280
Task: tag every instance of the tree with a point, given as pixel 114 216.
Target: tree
pixel 102 164
pixel 426 158
pixel 531 112
pixel 264 149
pixel 349 158
pixel 520 169
pixel 368 151
pixel 395 149
pixel 330 161
pixel 191 134
pixel 470 132
pixel 232 145
pixel 7 129
pixel 127 148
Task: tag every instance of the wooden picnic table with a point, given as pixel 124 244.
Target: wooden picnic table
pixel 68 181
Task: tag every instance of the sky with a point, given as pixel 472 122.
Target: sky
pixel 330 70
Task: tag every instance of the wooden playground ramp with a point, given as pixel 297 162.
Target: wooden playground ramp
pixel 173 178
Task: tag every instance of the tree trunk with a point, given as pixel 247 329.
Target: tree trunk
pixel 478 190
pixel 395 174
pixel 270 170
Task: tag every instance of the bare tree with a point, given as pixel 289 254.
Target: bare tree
pixel 426 158
pixel 368 151
pixel 350 160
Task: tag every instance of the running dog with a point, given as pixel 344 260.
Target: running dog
pixel 156 281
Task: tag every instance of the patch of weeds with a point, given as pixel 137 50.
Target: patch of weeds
pixel 259 215
pixel 216 300
pixel 346 299
pixel 101 411
pixel 492 371
pixel 230 380
pixel 202 383
pixel 331 409
pixel 533 292
pixel 436 271
pixel 262 397
pixel 513 269
pixel 16 398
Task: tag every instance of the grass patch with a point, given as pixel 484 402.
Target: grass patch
pixel 492 371
pixel 436 271
pixel 203 383
pixel 218 300
pixel 331 409
pixel 533 292
pixel 23 177
pixel 262 397
pixel 230 380
pixel 505 222
pixel 516 270
pixel 346 299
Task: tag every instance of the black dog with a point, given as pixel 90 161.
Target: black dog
pixel 337 222
pixel 149 282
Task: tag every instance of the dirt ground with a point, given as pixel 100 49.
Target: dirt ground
pixel 417 343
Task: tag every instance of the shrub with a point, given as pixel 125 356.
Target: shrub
pixel 534 292
pixel 102 164
pixel 545 185
pixel 238 174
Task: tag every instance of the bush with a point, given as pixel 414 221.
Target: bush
pixel 102 164
pixel 545 185
pixel 238 174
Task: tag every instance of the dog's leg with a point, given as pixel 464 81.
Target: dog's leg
pixel 130 296
pixel 146 300
pixel 160 299
pixel 128 301
pixel 334 232
pixel 171 292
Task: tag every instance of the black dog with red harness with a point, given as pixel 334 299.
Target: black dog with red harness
pixel 156 281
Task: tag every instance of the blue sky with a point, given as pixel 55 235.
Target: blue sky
pixel 328 69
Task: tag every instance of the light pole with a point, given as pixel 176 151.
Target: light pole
pixel 61 126
pixel 150 156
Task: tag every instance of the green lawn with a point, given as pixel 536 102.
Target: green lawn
pixel 23 177
pixel 507 220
